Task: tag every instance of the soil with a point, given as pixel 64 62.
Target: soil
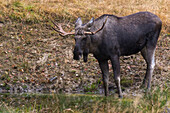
pixel 34 58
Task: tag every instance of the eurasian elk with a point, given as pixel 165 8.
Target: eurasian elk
pixel 109 37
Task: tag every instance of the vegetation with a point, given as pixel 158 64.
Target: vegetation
pixel 153 102
pixel 34 58
pixel 69 10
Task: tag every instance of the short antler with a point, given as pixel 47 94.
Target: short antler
pixel 92 33
pixel 61 31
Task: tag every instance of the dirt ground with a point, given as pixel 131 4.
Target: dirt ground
pixel 34 58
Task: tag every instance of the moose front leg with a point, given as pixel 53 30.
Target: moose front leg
pixel 105 74
pixel 116 71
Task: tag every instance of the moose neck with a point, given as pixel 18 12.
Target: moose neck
pixel 96 39
pixel 94 43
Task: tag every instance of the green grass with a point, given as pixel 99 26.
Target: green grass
pixel 153 102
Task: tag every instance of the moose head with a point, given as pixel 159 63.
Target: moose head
pixel 81 36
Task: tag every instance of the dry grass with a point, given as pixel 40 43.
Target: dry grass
pixel 69 10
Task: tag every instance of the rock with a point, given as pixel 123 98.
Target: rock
pixel 168 110
pixel 42 60
pixel 52 79
pixel 1 45
pixel 1 24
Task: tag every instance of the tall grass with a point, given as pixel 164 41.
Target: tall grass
pixel 69 10
pixel 154 102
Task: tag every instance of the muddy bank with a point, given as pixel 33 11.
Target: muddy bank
pixel 34 58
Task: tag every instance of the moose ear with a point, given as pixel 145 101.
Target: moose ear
pixel 78 22
pixel 89 24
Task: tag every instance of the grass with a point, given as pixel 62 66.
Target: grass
pixel 33 11
pixel 153 102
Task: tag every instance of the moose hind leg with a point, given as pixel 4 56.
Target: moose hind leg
pixel 105 74
pixel 148 54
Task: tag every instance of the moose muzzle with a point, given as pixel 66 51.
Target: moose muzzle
pixel 77 53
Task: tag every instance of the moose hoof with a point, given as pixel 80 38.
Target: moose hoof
pixel 120 96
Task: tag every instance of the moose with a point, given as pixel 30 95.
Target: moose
pixel 108 37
